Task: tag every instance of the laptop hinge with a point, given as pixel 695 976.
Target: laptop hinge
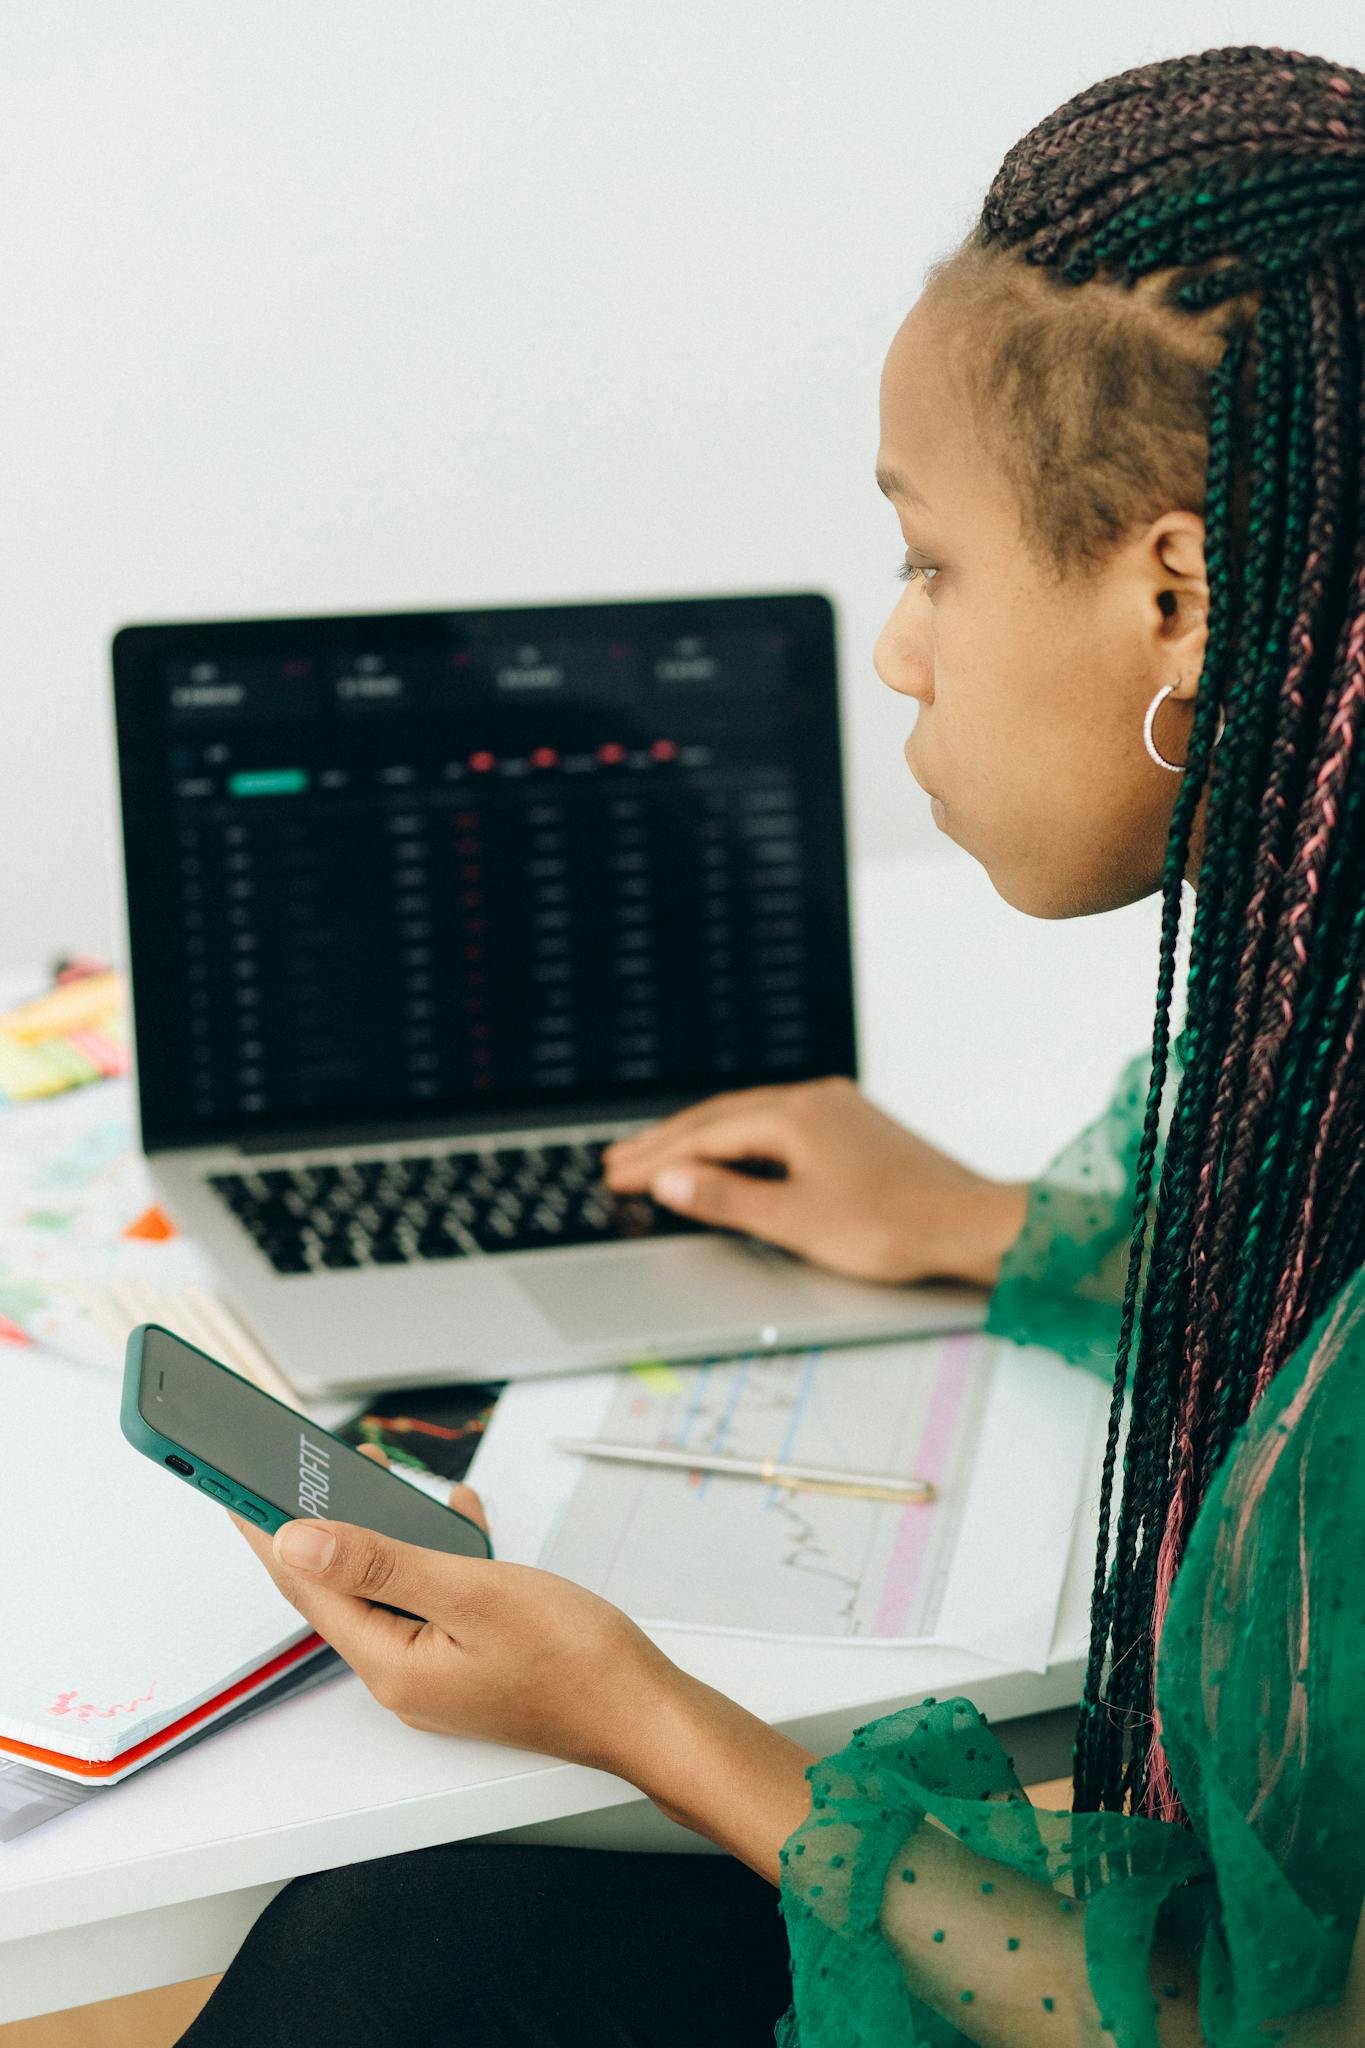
pixel 542 1118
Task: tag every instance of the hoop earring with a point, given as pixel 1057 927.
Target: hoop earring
pixel 1175 767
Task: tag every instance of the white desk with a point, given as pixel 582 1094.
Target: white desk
pixel 993 1034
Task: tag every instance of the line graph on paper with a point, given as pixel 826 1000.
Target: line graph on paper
pixel 717 1551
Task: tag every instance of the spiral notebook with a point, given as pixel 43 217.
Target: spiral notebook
pixel 132 1614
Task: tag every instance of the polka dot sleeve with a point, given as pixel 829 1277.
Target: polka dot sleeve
pixel 928 1903
pixel 1061 1282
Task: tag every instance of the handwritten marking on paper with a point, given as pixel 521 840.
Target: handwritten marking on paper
pixel 86 1710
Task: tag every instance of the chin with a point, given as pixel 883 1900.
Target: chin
pixel 1033 901
pixel 1107 893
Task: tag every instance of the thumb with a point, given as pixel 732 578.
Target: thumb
pixel 714 1194
pixel 363 1563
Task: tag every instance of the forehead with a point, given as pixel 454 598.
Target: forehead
pixel 931 437
pixel 923 405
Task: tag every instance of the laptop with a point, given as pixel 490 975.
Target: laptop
pixel 426 909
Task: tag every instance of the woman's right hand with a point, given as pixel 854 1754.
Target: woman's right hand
pixel 838 1182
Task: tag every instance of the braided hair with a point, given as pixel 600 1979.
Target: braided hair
pixel 1177 258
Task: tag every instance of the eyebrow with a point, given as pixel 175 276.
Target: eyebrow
pixel 894 485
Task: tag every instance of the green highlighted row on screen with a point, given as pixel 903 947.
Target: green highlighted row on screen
pixel 268 782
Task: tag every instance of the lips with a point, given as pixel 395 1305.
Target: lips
pixel 911 766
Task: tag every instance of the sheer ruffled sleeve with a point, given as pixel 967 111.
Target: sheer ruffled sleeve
pixel 1061 1282
pixel 929 1904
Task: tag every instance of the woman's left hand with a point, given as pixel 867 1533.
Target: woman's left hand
pixel 503 1652
pixel 510 1654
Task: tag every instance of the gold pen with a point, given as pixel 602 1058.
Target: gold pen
pixel 808 1478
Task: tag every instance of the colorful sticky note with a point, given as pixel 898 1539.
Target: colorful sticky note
pixel 75 1033
pixel 102 1048
pixel 26 1073
pixel 658 1377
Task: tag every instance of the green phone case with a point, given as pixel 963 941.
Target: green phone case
pixel 205 1478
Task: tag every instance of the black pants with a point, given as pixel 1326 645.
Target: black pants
pixel 475 1945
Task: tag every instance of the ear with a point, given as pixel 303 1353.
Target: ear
pixel 1178 596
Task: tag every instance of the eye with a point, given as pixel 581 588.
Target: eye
pixel 909 570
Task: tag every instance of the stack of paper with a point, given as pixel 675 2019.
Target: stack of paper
pixel 132 1614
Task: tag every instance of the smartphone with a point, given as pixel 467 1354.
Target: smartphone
pixel 269 1464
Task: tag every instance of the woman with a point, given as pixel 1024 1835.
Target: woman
pixel 1122 431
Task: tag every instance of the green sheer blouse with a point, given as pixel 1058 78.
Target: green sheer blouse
pixel 928 1903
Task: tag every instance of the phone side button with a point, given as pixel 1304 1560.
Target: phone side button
pixel 212 1486
pixel 250 1510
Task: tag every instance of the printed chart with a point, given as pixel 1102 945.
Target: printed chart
pixel 812 1563
pixel 1002 1430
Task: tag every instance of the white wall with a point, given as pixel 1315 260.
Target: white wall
pixel 315 304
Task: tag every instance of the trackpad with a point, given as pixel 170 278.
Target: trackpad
pixel 667 1290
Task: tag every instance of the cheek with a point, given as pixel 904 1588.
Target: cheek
pixel 985 675
pixel 1033 736
pixel 1025 653
pixel 1000 713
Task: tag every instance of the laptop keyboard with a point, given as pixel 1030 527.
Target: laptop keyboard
pixel 394 1212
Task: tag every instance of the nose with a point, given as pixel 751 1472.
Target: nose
pixel 901 656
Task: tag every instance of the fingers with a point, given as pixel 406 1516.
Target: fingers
pixel 368 1637
pixel 466 1502
pixel 344 1558
pixel 730 1201
pixel 462 1498
pixel 686 1123
pixel 752 1124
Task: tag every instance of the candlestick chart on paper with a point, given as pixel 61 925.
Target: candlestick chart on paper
pixel 720 1551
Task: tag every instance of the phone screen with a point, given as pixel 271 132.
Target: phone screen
pixel 207 1412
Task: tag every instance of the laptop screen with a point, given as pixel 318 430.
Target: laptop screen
pixel 392 871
